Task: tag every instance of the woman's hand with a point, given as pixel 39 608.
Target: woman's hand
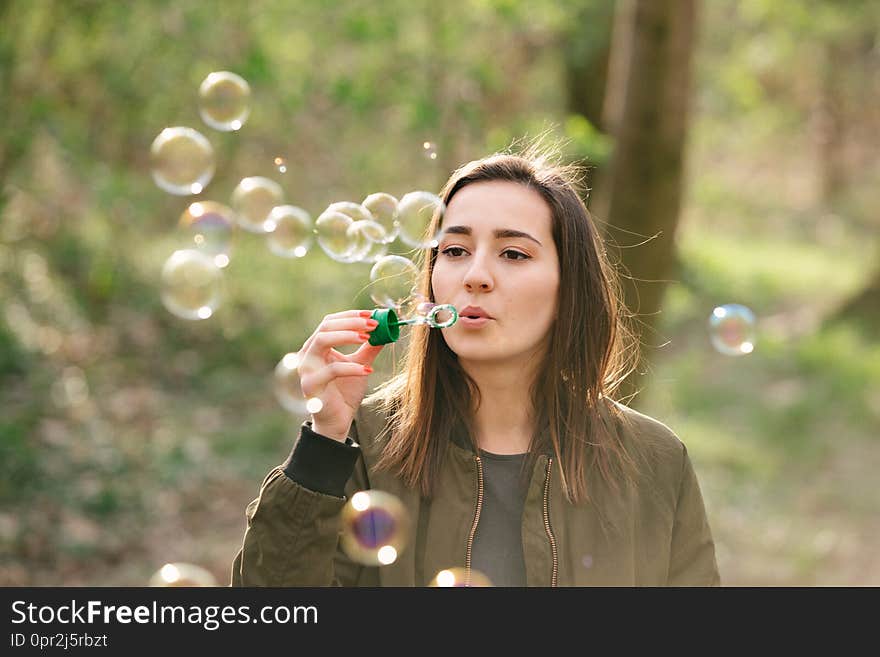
pixel 338 380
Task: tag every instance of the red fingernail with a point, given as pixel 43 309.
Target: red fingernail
pixel 366 313
pixel 368 369
pixel 363 336
pixel 372 323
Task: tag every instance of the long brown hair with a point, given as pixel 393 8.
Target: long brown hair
pixel 590 351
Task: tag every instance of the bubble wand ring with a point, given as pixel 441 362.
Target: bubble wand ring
pixel 388 329
pixel 431 318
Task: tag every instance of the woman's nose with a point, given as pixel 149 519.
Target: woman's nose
pixel 478 276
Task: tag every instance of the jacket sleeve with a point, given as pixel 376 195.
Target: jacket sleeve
pixel 692 555
pixel 292 534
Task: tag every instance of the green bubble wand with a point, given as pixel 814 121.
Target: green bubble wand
pixel 388 329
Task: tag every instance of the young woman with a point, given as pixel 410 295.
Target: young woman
pixel 500 435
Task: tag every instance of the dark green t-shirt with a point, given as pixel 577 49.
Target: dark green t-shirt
pixel 497 550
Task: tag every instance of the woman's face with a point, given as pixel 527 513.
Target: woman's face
pixel 497 252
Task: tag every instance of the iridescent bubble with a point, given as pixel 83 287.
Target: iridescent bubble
pixel 411 306
pixel 333 236
pixel 732 329
pixel 210 224
pixel 191 284
pixel 358 240
pixel 415 212
pixel 224 99
pixel 356 211
pixel 383 207
pixel 293 232
pixel 253 200
pixel 288 390
pixel 281 164
pixel 460 577
pixel 367 240
pixel 429 148
pixel 423 308
pixel 181 161
pixel 377 251
pixel 182 574
pixel 392 280
pixel 375 527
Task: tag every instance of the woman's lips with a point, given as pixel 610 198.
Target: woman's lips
pixel 475 323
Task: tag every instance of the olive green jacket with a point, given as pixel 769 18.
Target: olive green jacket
pixel 661 536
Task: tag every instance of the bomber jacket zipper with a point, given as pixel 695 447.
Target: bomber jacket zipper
pixel 470 543
pixel 547 527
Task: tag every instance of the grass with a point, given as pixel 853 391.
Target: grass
pixel 781 438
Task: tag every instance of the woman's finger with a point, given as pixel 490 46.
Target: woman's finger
pixel 348 324
pixel 326 340
pixel 366 353
pixel 313 384
pixel 349 313
pixel 331 322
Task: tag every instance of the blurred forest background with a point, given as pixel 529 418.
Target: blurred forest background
pixel 741 135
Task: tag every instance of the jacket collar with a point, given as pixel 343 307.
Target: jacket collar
pixel 461 439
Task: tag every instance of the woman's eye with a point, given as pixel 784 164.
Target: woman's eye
pixel 509 254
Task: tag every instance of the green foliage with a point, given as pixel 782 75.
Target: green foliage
pixel 587 142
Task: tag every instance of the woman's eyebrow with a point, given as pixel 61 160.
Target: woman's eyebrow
pixel 499 233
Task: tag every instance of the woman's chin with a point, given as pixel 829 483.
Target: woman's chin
pixel 478 353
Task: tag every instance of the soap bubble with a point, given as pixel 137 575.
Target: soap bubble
pixel 356 211
pixel 732 329
pixel 281 164
pixel 357 242
pixel 392 280
pixel 423 308
pixel 191 284
pixel 415 212
pixel 288 390
pixel 333 237
pixel 383 207
pixel 182 161
pixel 182 574
pixel 223 101
pixel 411 306
pixel 210 224
pixel 429 149
pixel 375 527
pixel 377 250
pixel 367 241
pixel 253 200
pixel 460 577
pixel 293 232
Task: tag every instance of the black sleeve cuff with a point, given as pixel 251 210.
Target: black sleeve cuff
pixel 321 464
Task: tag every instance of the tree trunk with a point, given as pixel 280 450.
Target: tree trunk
pixel 647 102
pixel 586 53
pixel 862 308
pixel 846 127
pixel 829 125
